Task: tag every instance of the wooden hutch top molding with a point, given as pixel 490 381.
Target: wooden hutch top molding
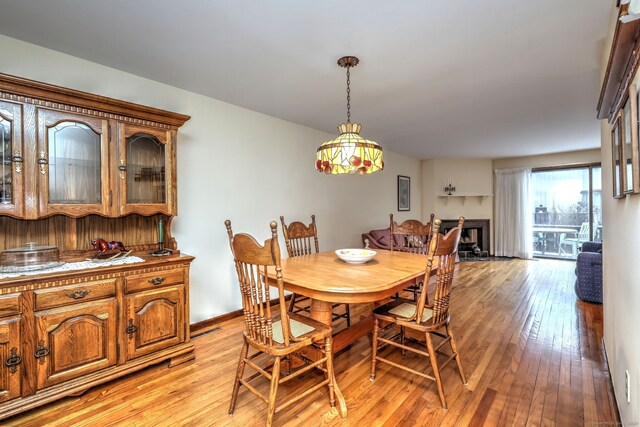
pixel 623 63
pixel 48 95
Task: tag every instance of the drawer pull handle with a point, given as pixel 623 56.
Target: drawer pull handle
pixel 41 352
pixel 13 360
pixel 157 280
pixel 130 329
pixel 78 294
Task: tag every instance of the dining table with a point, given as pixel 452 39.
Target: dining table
pixel 326 279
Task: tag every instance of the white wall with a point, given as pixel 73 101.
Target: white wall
pixel 621 234
pixel 469 176
pixel 237 164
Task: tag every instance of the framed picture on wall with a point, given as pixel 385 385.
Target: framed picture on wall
pixel 625 145
pixel 634 97
pixel 404 193
pixel 616 153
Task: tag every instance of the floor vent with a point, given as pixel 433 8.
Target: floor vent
pixel 205 332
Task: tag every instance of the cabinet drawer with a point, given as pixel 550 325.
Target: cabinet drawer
pixel 9 305
pixel 139 282
pixel 81 292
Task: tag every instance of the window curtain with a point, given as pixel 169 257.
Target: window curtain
pixel 514 213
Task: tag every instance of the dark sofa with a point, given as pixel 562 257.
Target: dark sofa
pixel 589 272
pixel 377 239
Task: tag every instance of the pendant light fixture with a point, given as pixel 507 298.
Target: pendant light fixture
pixel 349 153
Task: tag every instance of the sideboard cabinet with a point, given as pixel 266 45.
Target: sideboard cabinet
pixel 75 167
pixel 61 334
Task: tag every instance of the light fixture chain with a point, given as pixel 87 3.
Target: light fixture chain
pixel 348 95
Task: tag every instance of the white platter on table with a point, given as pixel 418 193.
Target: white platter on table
pixel 355 256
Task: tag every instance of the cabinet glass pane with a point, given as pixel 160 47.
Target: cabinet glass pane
pixel 74 164
pixel 6 189
pixel 145 170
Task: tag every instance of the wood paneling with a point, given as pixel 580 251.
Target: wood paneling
pixel 137 232
pixel 532 352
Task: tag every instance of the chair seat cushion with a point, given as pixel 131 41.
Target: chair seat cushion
pixel 407 309
pixel 297 329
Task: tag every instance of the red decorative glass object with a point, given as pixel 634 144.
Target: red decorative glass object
pixel 355 160
pixel 367 163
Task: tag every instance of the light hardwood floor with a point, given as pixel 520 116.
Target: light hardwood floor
pixel 532 353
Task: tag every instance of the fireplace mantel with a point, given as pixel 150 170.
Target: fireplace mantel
pixel 463 197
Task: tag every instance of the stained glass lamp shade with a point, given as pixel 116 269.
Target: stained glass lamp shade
pixel 349 153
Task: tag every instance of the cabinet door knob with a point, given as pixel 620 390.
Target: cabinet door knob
pixel 42 161
pixel 78 294
pixel 17 159
pixel 13 360
pixel 157 280
pixel 122 168
pixel 41 352
pixel 130 329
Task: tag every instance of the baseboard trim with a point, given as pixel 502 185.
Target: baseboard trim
pixel 200 327
pixel 613 389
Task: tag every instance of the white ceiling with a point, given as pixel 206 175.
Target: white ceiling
pixel 470 78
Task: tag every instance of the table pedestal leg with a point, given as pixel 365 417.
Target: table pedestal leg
pixel 321 311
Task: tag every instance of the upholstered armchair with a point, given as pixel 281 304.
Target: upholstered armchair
pixel 589 272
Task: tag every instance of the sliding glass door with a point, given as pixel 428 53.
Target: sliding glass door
pixel 567 210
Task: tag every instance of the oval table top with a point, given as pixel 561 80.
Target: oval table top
pixel 326 277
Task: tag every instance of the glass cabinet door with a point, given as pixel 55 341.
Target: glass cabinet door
pixel 11 159
pixel 72 164
pixel 145 170
pixel 146 158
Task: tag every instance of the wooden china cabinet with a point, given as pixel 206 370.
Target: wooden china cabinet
pixel 74 167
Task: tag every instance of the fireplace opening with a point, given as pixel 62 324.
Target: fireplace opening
pixel 475 235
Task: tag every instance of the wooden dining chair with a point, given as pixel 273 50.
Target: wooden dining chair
pixel 276 333
pixel 302 239
pixel 411 236
pixel 433 319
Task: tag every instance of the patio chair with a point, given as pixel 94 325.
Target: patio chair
pixel 575 243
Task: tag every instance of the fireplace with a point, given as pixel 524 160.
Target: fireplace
pixel 474 231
